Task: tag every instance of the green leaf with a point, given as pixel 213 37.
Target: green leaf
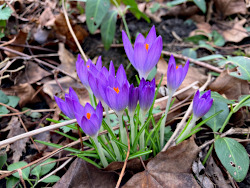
pixel 201 4
pixel 210 57
pixel 218 38
pixel 203 44
pixel 233 156
pixel 243 68
pixel 5 13
pixel 134 9
pixel 36 171
pixel 3 98
pixel 216 123
pixel 25 172
pixel 95 12
pixel 196 38
pixel 245 103
pixel 175 2
pixel 155 7
pixel 34 115
pixel 219 97
pixel 189 52
pixel 51 179
pixel 3 159
pixel 11 182
pixel 4 110
pixel 13 101
pixel 48 167
pixel 108 28
pixel 152 73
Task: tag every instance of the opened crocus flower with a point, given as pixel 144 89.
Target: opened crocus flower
pixel 175 74
pixel 133 99
pixel 67 105
pixel 146 94
pixel 89 119
pixel 146 52
pixel 202 105
pixel 84 69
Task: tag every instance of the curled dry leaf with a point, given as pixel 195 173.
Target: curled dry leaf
pixel 83 174
pixel 47 18
pixel 228 7
pixel 230 86
pixel 171 168
pixel 33 73
pixel 25 92
pixel 61 28
pixel 20 39
pixel 19 146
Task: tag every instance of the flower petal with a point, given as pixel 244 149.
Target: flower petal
pixel 111 97
pixel 73 94
pixel 139 39
pixel 140 56
pixel 88 127
pixel 88 109
pixel 154 54
pixel 128 47
pixel 121 75
pixel 151 37
pixel 111 69
pixel 99 63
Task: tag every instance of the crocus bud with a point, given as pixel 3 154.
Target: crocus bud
pixel 84 69
pixel 146 52
pixel 89 119
pixel 133 98
pixel 67 105
pixel 146 94
pixel 201 105
pixel 175 74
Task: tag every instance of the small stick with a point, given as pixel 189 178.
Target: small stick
pixel 23 125
pixel 72 32
pixel 200 63
pixel 125 162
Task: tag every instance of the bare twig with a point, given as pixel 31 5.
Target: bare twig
pixel 125 162
pixel 72 32
pixel 8 42
pixel 185 58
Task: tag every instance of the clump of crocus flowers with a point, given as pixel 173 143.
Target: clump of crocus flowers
pixel 113 91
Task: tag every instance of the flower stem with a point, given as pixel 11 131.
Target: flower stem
pixel 122 129
pixel 116 149
pixel 100 152
pixel 142 117
pixel 123 19
pixel 187 130
pixel 91 96
pixel 132 128
pixel 163 122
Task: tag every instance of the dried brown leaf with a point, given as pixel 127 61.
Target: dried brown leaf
pixel 20 39
pixel 24 91
pixel 47 18
pixel 169 169
pixel 236 32
pixel 19 146
pixel 230 86
pixel 82 174
pixel 229 7
pixel 33 73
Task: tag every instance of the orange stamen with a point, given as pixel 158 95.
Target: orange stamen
pixel 146 46
pixel 87 66
pixel 177 67
pixel 116 89
pixel 88 115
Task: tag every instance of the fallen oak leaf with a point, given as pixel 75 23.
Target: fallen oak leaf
pixel 171 168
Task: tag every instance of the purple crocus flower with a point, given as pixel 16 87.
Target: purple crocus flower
pixel 133 98
pixel 175 74
pixel 84 69
pixel 89 119
pixel 116 92
pixel 146 52
pixel 201 105
pixel 67 105
pixel 146 94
